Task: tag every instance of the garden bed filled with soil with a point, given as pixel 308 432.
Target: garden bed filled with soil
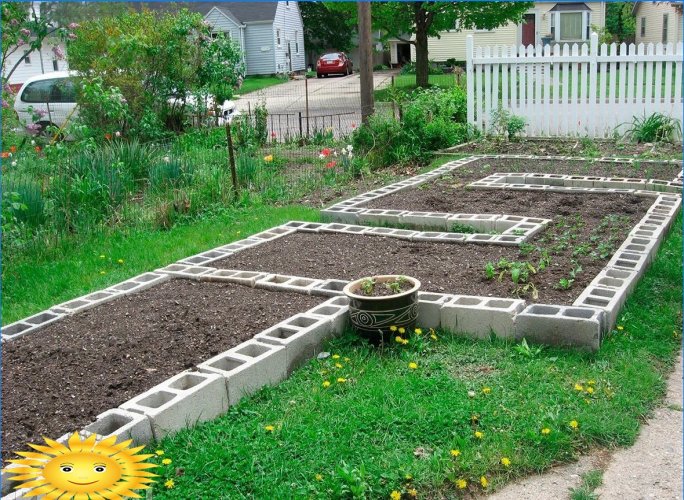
pixel 60 378
pixel 573 147
pixel 587 237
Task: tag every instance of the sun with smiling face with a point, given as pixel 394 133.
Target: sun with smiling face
pixel 83 469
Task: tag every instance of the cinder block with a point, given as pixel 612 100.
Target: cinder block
pixel 484 223
pixel 479 316
pixel 181 402
pixel 29 325
pixel 429 309
pixel 629 261
pixel 312 227
pixel 562 326
pixel 607 299
pixel 341 214
pixel 344 228
pixel 302 336
pixel 378 216
pixel 279 282
pixel 139 283
pixel 186 271
pixel 337 314
pixel 122 424
pixel 248 367
pixel 329 288
pixel 426 220
pixel 247 278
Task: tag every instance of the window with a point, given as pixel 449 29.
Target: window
pixel 27 59
pixel 643 26
pixel 570 26
pixel 55 65
pixel 278 38
pixel 287 4
pixel 54 90
pixel 296 43
pixel 665 20
pixel 588 25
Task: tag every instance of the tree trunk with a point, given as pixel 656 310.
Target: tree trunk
pixel 421 44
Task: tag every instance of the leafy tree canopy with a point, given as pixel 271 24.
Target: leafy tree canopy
pixel 324 29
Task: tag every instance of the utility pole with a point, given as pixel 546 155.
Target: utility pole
pixel 366 60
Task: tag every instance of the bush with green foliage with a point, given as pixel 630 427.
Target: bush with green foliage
pixel 507 125
pixel 178 60
pixel 654 128
pixel 432 119
pixel 410 69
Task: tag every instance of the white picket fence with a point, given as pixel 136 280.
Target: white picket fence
pixel 574 90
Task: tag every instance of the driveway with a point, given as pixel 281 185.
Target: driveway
pixel 334 102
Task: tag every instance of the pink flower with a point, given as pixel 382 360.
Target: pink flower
pixel 5 104
pixel 73 26
pixel 72 36
pixel 326 152
pixel 25 32
pixel 33 128
pixel 58 52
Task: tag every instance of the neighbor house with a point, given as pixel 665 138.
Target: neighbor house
pixel 46 60
pixel 270 34
pixel 560 22
pixel 658 22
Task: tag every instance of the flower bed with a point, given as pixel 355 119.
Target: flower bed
pixel 60 378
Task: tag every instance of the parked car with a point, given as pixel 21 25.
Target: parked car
pixel 50 99
pixel 335 63
pixel 47 99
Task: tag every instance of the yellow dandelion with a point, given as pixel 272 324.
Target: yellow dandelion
pixel 170 484
pixel 433 336
pixel 546 431
pixel 478 435
pixel 269 428
pixel 347 360
pixel 268 158
pixel 395 495
pixel 484 482
pixel 326 384
pixel 505 461
pixel 590 390
pixel 398 339
pixel 486 390
pixel 574 424
pixel 102 256
pixel 341 380
pixel 455 453
pixel 413 366
pixel 393 328
pixel 338 365
pixel 167 461
pixel 335 356
pixel 579 387
pixel 402 330
pixel 103 272
pixel 461 484
pixel 620 327
pixel 120 261
pixel 319 477
pixel 418 331
pixel 412 492
pixel 591 382
pixel 159 453
pixel 405 341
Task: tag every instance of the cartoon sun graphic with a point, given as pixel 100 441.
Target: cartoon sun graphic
pixel 85 469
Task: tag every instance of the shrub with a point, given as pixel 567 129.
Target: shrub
pixel 410 69
pixel 507 125
pixel 654 128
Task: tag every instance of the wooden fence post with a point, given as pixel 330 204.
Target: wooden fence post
pixel 470 83
pixel 231 158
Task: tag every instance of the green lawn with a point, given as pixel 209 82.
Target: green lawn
pixel 407 83
pixel 471 413
pixel 42 281
pixel 254 83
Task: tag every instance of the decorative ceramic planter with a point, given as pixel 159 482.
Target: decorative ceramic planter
pixel 373 316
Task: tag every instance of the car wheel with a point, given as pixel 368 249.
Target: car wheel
pixel 318 75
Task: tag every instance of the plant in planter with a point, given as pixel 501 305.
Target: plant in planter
pixel 378 302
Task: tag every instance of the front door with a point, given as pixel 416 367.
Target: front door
pixel 528 30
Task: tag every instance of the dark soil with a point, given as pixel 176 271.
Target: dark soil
pixel 60 378
pixel 382 290
pixel 457 268
pixel 581 147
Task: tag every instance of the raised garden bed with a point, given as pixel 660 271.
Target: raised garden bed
pixel 572 147
pixel 460 268
pixel 60 378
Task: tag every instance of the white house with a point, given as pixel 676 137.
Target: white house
pixel 658 22
pixel 37 62
pixel 270 34
pixel 560 22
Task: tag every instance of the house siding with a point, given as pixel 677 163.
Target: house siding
pixel 451 44
pixel 26 71
pixel 222 23
pixel 289 20
pixel 653 12
pixel 259 49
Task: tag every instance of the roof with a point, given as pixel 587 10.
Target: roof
pixel 564 7
pixel 243 12
pixel 676 5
